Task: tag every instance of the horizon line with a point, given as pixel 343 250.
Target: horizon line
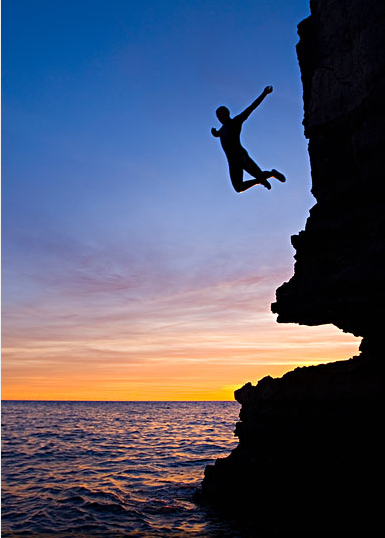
pixel 115 401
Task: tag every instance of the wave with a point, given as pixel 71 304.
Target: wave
pixel 110 469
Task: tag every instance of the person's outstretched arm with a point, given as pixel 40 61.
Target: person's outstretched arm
pixel 246 113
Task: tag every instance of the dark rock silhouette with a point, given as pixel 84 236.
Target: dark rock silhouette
pixel 339 271
pixel 310 453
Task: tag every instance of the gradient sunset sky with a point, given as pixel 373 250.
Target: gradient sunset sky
pixel 131 270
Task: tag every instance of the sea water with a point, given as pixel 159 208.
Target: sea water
pixel 112 469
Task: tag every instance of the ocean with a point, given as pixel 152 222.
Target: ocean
pixel 112 469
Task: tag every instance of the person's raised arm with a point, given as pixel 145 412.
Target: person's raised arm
pixel 246 113
pixel 215 133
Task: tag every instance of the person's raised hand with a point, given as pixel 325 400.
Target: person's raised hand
pixel 268 89
pixel 214 131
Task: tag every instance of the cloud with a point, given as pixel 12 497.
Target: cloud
pixel 83 315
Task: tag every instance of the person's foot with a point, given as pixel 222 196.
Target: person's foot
pixel 265 183
pixel 278 175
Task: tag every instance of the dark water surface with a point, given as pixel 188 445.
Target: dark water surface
pixel 112 468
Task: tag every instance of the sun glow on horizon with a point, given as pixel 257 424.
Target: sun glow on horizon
pixel 187 341
pixel 211 370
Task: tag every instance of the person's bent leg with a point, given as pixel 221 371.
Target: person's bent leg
pixel 253 169
pixel 236 176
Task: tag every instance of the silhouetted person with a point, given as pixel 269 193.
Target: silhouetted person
pixel 237 156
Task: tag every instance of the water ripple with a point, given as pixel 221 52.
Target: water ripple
pixel 111 469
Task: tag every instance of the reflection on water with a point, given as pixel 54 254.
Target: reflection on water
pixel 111 468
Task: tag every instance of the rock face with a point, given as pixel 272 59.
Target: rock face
pixel 339 272
pixel 310 452
pixel 310 443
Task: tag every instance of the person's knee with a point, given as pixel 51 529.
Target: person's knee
pixel 238 187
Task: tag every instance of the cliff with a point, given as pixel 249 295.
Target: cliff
pixel 339 272
pixel 310 444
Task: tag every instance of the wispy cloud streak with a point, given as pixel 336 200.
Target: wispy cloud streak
pixel 103 311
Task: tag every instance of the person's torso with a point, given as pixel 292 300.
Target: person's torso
pixel 230 134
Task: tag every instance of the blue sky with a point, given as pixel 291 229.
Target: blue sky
pixel 107 110
pixel 114 192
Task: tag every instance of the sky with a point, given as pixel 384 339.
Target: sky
pixel 131 270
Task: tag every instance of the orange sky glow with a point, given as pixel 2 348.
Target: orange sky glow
pixel 195 344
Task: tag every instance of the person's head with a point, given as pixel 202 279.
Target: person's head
pixel 223 114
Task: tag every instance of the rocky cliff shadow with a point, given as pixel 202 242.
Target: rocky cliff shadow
pixel 310 448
